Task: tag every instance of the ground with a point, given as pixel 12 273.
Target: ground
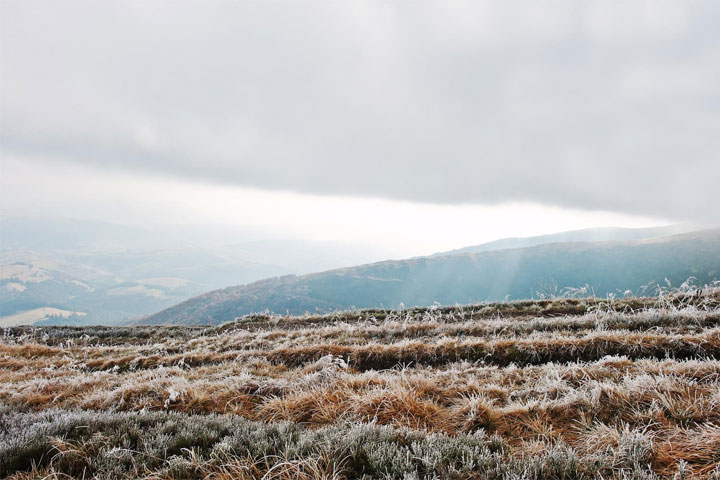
pixel 559 388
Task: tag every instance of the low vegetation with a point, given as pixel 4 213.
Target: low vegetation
pixel 570 388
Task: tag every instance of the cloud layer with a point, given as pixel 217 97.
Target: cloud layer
pixel 597 105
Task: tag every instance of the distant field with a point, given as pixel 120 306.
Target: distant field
pixel 23 273
pixel 35 315
pixel 553 389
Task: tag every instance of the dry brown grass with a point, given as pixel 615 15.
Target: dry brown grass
pixel 589 381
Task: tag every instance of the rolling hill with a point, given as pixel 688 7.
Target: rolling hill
pixel 457 278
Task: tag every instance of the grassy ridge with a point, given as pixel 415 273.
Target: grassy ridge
pixel 566 388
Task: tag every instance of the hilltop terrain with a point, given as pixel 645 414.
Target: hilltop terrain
pixel 547 270
pixel 554 389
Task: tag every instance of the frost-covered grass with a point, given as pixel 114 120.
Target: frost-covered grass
pixel 56 443
pixel 559 388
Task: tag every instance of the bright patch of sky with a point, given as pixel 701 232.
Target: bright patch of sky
pixel 399 228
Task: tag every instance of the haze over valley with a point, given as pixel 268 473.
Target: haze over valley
pixel 91 280
pixel 90 272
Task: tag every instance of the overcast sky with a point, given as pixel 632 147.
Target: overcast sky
pixel 368 121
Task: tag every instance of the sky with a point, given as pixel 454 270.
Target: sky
pixel 417 126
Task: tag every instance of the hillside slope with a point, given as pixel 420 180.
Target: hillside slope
pixel 608 267
pixel 555 389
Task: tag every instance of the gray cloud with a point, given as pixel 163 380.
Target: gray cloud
pixel 596 104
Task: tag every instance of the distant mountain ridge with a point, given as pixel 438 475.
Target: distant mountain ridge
pixel 603 234
pixel 465 277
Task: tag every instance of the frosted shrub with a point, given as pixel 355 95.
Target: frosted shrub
pixel 634 450
pixel 172 397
